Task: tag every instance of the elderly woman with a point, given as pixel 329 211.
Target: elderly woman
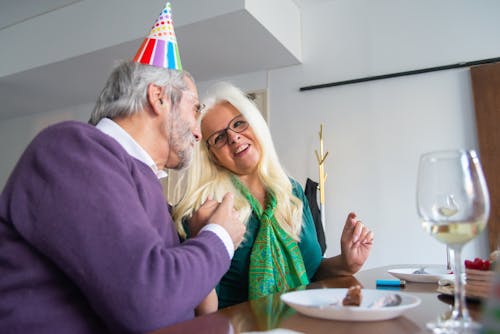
pixel 280 250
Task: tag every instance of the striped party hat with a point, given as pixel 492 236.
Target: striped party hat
pixel 160 48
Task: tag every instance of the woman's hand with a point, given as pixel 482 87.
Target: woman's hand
pixel 201 216
pixel 355 243
pixel 208 305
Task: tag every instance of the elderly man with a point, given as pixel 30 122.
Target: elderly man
pixel 87 243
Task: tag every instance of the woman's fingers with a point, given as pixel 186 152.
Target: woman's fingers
pixel 362 233
pixel 358 230
pixel 350 223
pixel 368 239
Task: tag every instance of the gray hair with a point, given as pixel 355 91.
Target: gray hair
pixel 125 92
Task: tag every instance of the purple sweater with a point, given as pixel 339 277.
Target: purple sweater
pixel 87 244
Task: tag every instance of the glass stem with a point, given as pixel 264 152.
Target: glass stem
pixel 448 260
pixel 459 309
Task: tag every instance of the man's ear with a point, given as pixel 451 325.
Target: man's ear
pixel 156 98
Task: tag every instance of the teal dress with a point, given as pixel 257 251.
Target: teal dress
pixel 233 287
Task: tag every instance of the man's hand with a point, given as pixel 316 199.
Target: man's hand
pixel 225 216
pixel 201 216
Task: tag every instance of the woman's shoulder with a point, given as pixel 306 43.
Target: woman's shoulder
pixel 296 187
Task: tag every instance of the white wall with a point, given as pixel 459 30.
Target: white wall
pixel 17 133
pixel 375 131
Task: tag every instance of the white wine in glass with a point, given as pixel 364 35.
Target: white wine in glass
pixel 454 205
pixel 448 208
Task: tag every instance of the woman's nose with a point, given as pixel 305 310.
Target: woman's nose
pixel 232 136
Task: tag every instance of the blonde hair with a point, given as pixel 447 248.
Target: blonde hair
pixel 205 179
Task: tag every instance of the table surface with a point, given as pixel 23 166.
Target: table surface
pixel 269 312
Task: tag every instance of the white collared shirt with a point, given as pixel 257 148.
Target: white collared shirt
pixel 115 131
pixel 135 150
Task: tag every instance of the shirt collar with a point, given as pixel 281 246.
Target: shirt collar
pixel 133 148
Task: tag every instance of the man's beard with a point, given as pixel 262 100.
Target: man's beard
pixel 181 143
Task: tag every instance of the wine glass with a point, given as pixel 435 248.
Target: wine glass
pixel 454 205
pixel 448 208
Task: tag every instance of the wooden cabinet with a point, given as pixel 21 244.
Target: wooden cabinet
pixel 486 88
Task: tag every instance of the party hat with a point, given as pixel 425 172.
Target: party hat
pixel 160 48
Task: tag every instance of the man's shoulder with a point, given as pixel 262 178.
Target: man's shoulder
pixel 67 133
pixel 75 136
pixel 68 127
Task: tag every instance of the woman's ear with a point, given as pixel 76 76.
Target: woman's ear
pixel 155 96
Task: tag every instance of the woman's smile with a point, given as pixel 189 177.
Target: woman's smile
pixel 240 150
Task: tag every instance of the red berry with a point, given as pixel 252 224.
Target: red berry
pixel 478 264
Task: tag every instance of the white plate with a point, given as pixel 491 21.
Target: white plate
pixel 309 302
pixel 432 275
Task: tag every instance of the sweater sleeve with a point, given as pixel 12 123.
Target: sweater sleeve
pixel 101 218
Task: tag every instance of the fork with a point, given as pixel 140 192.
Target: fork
pixel 386 301
pixel 420 271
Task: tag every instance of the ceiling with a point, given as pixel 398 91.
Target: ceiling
pixel 246 47
pixel 14 12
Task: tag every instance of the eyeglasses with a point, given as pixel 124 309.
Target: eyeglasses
pixel 220 138
pixel 199 108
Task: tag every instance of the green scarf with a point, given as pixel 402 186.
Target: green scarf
pixel 276 263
